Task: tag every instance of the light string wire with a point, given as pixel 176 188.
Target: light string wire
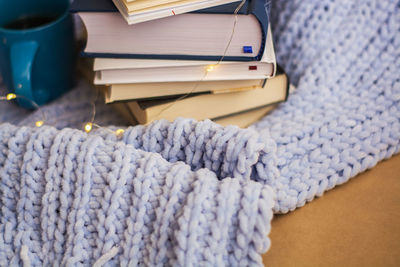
pixel 88 126
pixel 12 96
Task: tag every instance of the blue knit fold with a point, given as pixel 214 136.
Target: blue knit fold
pixel 70 198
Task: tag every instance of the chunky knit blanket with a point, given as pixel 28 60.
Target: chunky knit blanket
pixel 191 193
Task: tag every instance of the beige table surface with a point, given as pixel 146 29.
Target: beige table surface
pixel 355 224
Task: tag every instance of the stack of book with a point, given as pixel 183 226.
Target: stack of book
pixel 205 63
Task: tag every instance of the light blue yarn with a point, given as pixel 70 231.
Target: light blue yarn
pixel 162 192
pixel 71 197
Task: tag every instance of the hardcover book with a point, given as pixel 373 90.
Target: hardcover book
pixel 242 119
pixel 199 35
pixel 123 71
pixel 136 91
pixel 210 106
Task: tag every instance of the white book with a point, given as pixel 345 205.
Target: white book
pixel 188 35
pixel 122 71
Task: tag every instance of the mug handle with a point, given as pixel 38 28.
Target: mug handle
pixel 22 55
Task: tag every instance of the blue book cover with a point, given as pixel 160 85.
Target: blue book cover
pixel 251 7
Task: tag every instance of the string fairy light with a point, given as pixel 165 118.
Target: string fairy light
pixel 209 68
pixel 12 96
pixel 39 123
pixel 90 125
pixel 119 132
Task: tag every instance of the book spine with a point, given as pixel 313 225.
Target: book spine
pixel 169 57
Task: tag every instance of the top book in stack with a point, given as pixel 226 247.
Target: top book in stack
pixel 136 11
pixel 199 35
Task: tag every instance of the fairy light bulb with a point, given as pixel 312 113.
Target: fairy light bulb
pixel 119 132
pixel 11 96
pixel 88 127
pixel 210 68
pixel 39 124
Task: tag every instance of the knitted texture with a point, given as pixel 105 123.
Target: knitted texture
pixel 161 193
pixel 70 198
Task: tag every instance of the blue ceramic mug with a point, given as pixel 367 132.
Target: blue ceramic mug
pixel 36 49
